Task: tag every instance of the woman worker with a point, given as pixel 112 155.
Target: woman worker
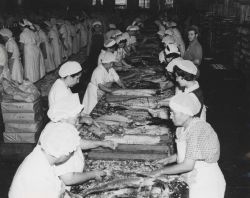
pixel 67 111
pixel 186 74
pixel 70 73
pixel 30 51
pixel 102 78
pixel 109 46
pixel 15 65
pixel 198 150
pixel 36 176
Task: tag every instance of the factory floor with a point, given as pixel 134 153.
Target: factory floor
pixel 226 98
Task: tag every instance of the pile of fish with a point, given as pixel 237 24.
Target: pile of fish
pixel 127 180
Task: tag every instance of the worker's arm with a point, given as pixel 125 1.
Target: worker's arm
pixel 91 144
pixel 165 161
pixel 126 64
pixel 104 88
pixel 75 178
pixel 120 83
pixel 186 166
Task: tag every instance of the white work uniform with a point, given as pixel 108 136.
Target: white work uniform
pixel 41 58
pixel 64 34
pixel 49 61
pixel 31 55
pixel 56 47
pixel 203 115
pixel 93 93
pixel 76 162
pixel 36 178
pixel 16 68
pixel 206 179
pixel 58 91
pixel 179 41
pixel 4 63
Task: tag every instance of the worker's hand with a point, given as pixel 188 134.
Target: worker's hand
pixel 164 161
pixel 86 120
pixel 99 174
pixel 155 173
pixel 110 144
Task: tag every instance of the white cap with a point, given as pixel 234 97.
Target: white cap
pixel 120 38
pixel 162 57
pixel 112 26
pixel 132 28
pixel 67 107
pixel 170 66
pixel 117 33
pixel 172 48
pixel 169 31
pixel 168 40
pixel 109 43
pixel 69 68
pixel 96 23
pixel 58 139
pixel 161 32
pixel 6 32
pixel 108 57
pixel 185 103
pixel 187 66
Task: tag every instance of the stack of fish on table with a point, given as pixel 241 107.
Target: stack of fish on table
pixel 128 180
pixel 125 117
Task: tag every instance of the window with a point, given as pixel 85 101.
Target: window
pixel 121 4
pixel 144 3
pixel 95 1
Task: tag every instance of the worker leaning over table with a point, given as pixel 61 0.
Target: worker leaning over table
pixel 68 111
pixel 131 38
pixel 109 46
pixel 70 73
pixel 36 176
pixel 168 56
pixel 102 78
pixel 186 76
pixel 194 50
pixel 14 60
pixel 198 150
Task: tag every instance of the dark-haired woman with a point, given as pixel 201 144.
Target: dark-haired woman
pixel 70 73
pixel 186 74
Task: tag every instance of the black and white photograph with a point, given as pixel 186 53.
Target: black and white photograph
pixel 125 98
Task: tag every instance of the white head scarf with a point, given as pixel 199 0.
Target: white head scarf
pixel 58 139
pixel 185 103
pixel 68 107
pixel 69 68
pixel 6 32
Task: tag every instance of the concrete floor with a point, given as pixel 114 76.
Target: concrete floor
pixel 226 99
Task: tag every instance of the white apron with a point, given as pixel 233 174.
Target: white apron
pixel 75 164
pixel 16 70
pixel 205 180
pixel 91 98
pixel 32 64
